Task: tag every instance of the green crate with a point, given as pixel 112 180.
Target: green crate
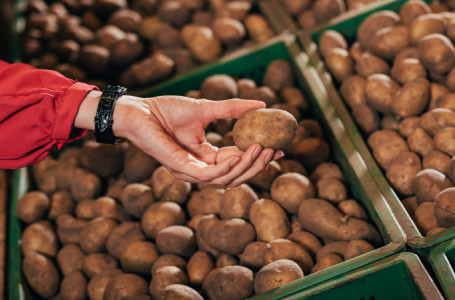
pixel 442 259
pixel 415 240
pixel 401 276
pixel 252 65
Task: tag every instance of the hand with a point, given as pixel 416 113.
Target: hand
pixel 172 130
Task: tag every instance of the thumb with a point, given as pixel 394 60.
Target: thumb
pixel 232 108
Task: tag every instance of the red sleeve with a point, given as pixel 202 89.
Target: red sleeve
pixel 37 111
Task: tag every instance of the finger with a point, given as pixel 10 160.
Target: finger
pixel 225 152
pixel 278 154
pixel 232 108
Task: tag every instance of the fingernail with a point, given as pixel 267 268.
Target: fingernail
pixel 268 156
pixel 234 162
pixel 256 152
pixel 279 154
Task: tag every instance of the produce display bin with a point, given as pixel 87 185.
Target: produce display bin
pixel 252 64
pixel 327 92
pixel 442 259
pixel 401 276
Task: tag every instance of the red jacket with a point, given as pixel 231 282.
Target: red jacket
pixel 37 111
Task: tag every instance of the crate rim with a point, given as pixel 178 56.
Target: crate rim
pixel 442 267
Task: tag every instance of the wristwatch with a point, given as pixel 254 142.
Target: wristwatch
pixel 104 113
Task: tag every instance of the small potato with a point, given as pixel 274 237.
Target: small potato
pixel 337 247
pixel 122 236
pixel 436 160
pixel 420 142
pixel 97 285
pixel 444 208
pixel 437 90
pixel 177 240
pixel 70 258
pixel 174 12
pixel 258 28
pixel 224 260
pixel 126 19
pixel 280 130
pixel 32 206
pixel 356 50
pixel 199 265
pixel 413 9
pixel 307 240
pixel 161 215
pixel 307 19
pixel 85 185
pixel 163 278
pixel 326 170
pixel 369 64
pixel 406 70
pixel 340 64
pixel 96 263
pixel 326 261
pixel 236 202
pixel 357 247
pixel 138 165
pixel 125 286
pixel 353 90
pixel 278 75
pixel 95 234
pixel 290 189
pixel 264 179
pixel 230 236
pixel 444 140
pixel 331 189
pixel 408 125
pixel 139 257
pixel 253 255
pixel 107 207
pixel 390 122
pixel 375 22
pixel 136 198
pixel 202 230
pixel 74 286
pixel 246 88
pixel 266 95
pixel 451 80
pixel 387 42
pixel 228 30
pixel 386 145
pixel 425 25
pixel 410 204
pixel 179 292
pixel 41 238
pixel 437 119
pixel 380 90
pixel 206 201
pixel 219 87
pixel 41 274
pixel 168 260
pixel 286 249
pixel 232 282
pixel 324 10
pixel 214 138
pixel 331 39
pixel 440 44
pixel 425 218
pixel 269 220
pixel 428 184
pixel 352 208
pixel 60 203
pixel 402 171
pixel 275 274
pixel 312 152
pixel 167 188
pixel 408 52
pixel 127 50
pixel 202 42
pixel 69 231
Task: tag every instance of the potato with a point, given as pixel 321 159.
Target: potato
pixel 206 201
pixel 408 125
pixel 107 207
pixel 161 215
pixel 96 263
pixel 406 53
pixel 202 230
pixel 228 30
pixel 278 75
pixel 290 189
pixel 199 265
pixel 174 12
pixel 437 91
pixel 307 240
pixel 386 145
pixel 413 9
pixel 202 42
pixel 232 282
pixel 440 44
pixel 127 50
pixel 286 249
pixel 253 255
pixel 437 119
pixel 74 286
pixel 136 197
pixel 369 64
pixel 352 90
pixel 163 278
pixel 139 257
pixel 352 208
pixel 294 97
pixel 97 285
pixel 387 42
pixel 69 231
pixel 122 236
pixel 373 23
pixel 444 210
pixel 420 142
pixel 137 164
pixel 436 160
pixel 264 94
pixel 245 87
pixel 380 90
pixel 70 258
pixel 224 260
pixel 307 19
pixel 330 189
pixel 428 184
pixel 32 206
pixel 108 35
pixel 438 7
pixel 60 203
pixel 312 152
pixel 125 286
pixel 176 239
pixel 425 218
pixel 436 230
pixel 126 19
pixel 180 291
pixel 326 170
pixel 41 238
pixel 167 188
pixel 337 247
pixel 168 260
pixel 326 261
pixel 410 204
pixel 425 25
pixel 84 209
pixel 357 247
pixel 257 27
pixel 219 87
pixel 324 10
pixel 95 234
pixel 292 166
pixel 402 171
pixel 85 185
pixel 234 9
pixel 390 122
pixel 230 236
pixel 269 220
pixel 236 202
pixel 407 70
pixel 444 140
pixel 276 274
pixel 339 63
pixel 330 39
pixel 41 274
pixel 313 211
pixel 214 138
pixel 167 37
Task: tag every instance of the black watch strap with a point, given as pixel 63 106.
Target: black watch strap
pixel 104 113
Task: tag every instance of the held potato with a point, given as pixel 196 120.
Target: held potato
pixel 275 274
pixel 269 127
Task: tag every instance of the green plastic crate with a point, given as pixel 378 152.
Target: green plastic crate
pixel 416 242
pixel 442 259
pixel 401 276
pixel 252 65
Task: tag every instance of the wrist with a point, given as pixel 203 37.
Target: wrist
pixel 85 117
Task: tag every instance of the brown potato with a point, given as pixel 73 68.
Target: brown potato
pixel 179 291
pixel 214 138
pixel 202 230
pixel 410 204
pixel 136 198
pixel 326 170
pixel 41 274
pixel 275 274
pixel 278 75
pixel 231 282
pixel 357 247
pixel 70 258
pixel 258 28
pixel 168 260
pixel 386 145
pixel 40 238
pixel 330 189
pixel 219 87
pixel 228 30
pixel 420 142
pixel 436 160
pixel 388 41
pixel 390 122
pixel 330 39
pixel 437 119
pixel 224 260
pixel 437 90
pixel 125 286
pixel 428 184
pixel 202 42
pixel 167 188
pixel 444 140
pixel 139 257
pixel 440 44
pixel 353 90
pixel 312 152
pixel 137 164
pixel 340 64
pixel 177 240
pixel 265 178
pixel 126 19
pixel 408 125
pixel 95 234
pixel 326 261
pixel 402 171
pixel 108 35
pixel 60 203
pixel 307 240
pixel 406 70
pixel 408 52
pixel 444 208
pixel 230 236
pixel 380 90
pixel 413 9
pixel 127 50
pixel 74 286
pixel 32 207
pixel 122 236
pixel 253 255
pixel 352 208
pixel 425 25
pixel 107 207
pixel 269 220
pixel 199 265
pixel 96 263
pixel 174 12
pixel 286 249
pixel 369 64
pixel 425 218
pixel 375 22
pixel 163 278
pixel 85 185
pixel 307 19
pixel 97 285
pixel 337 247
pixel 206 201
pixel 324 10
pixel 69 231
pixel 292 166
pixel 290 189
pixel 236 202
pixel 161 215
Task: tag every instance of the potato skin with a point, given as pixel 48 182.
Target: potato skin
pixel 199 265
pixel 179 291
pixel 444 208
pixel 139 257
pixel 74 286
pixel 165 277
pixel 253 255
pixel 290 189
pixel 286 249
pixel 161 215
pixel 125 286
pixel 97 285
pixel 428 183
pixel 275 274
pixel 412 98
pixel 402 171
pixel 425 218
pixel 237 201
pixel 269 220
pixel 41 274
pixel 177 240
pixel 230 236
pixel 232 282
pixel 373 23
pixel 307 240
pixel 331 39
pixel 41 238
pixel 387 42
pixel 326 261
pixel 271 128
pixel 32 206
pixel 440 44
pixel 357 247
pixel 95 234
pixel 278 75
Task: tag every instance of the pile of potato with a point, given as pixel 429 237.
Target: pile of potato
pixel 136 42
pixel 107 222
pixel 398 79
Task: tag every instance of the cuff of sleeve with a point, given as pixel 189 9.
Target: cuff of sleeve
pixel 63 130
